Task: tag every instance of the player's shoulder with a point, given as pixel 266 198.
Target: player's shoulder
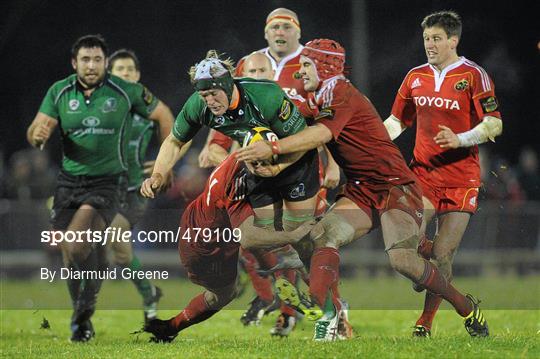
pixel 332 89
pixel 64 83
pixel 195 103
pixel 225 170
pixel 477 71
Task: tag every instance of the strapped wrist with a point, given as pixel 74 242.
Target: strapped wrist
pixel 276 150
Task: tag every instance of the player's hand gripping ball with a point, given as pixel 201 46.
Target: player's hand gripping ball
pixel 257 134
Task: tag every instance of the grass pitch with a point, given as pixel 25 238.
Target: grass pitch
pixel 378 332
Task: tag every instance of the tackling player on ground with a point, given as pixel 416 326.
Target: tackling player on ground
pixel 213 263
pixel 380 188
pixel 453 102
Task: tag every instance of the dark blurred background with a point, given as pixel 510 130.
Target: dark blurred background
pixel 383 41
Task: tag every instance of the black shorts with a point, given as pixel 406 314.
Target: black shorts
pixel 296 183
pixel 133 207
pixel 104 193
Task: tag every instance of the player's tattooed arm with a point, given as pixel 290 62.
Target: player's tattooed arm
pixel 40 129
pixel 256 237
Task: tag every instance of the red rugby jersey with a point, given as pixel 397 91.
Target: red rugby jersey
pixel 222 203
pixel 361 144
pixel 458 97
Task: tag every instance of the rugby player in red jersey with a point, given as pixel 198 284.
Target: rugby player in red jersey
pixel 209 246
pixel 380 188
pixel 453 102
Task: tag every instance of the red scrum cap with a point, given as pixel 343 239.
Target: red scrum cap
pixel 327 55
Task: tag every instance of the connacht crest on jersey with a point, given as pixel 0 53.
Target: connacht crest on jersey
pixel 109 105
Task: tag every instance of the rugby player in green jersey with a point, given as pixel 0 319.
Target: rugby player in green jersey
pixel 125 64
pixel 92 110
pixel 234 107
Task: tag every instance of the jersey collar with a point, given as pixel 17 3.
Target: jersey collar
pixel 278 67
pixel 439 76
pixel 239 110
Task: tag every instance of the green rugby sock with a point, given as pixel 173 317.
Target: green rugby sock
pixel 143 285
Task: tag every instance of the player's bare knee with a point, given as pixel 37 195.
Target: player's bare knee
pixel 444 264
pixel 122 259
pixel 401 254
pixel 332 231
pixel 76 252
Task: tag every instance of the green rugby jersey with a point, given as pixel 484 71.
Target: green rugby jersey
pixel 93 129
pixel 139 138
pixel 262 103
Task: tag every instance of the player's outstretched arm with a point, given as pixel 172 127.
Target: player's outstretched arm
pixel 394 126
pixel 40 129
pixel 309 138
pixel 256 237
pixel 170 152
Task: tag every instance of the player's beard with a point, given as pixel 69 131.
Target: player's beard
pixel 92 85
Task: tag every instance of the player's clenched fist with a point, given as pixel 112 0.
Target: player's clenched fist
pixel 41 133
pixel 152 185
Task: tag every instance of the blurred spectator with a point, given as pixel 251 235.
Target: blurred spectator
pixel 499 180
pixel 528 173
pixel 29 176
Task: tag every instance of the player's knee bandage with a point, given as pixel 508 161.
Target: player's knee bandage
pixel 408 243
pixel 333 230
pixel 290 222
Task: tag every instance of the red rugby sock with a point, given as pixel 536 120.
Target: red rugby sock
pixel 262 286
pixel 433 280
pixel 324 273
pixel 196 311
pixel 431 305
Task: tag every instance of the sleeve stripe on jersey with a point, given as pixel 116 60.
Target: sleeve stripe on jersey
pixel 328 93
pixel 121 91
pixel 62 92
pixel 486 85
